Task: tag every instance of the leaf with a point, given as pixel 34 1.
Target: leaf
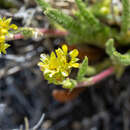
pixel 89 17
pixel 64 96
pixel 78 27
pixel 43 4
pixel 83 69
pixel 126 16
pixel 62 19
pixel 117 58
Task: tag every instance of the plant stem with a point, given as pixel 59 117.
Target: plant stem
pixel 53 32
pixel 47 32
pixel 97 78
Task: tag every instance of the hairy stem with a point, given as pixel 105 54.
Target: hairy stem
pixel 43 31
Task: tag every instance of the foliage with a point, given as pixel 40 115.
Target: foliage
pixel 126 16
pixel 85 20
pixel 117 58
pixel 82 70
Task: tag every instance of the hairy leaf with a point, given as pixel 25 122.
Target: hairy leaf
pixel 126 15
pixel 44 5
pixel 89 17
pixel 83 69
pixel 64 20
pixel 117 58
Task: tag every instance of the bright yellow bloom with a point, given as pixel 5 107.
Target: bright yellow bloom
pixel 58 65
pixel 5 27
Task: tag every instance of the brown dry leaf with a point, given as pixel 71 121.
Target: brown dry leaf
pixel 65 95
pixel 93 54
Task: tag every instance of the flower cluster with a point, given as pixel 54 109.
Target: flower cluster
pixel 5 27
pixel 57 67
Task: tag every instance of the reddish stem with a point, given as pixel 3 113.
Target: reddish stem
pixel 18 36
pixel 103 75
pixel 97 78
pixel 43 31
pixel 53 32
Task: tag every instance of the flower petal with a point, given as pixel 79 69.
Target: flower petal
pixel 4 31
pixel 53 61
pixel 44 58
pixel 59 53
pixel 75 65
pixel 7 21
pixel 74 53
pixel 52 57
pixel 2 39
pixel 65 49
pixel 65 73
pixel 13 26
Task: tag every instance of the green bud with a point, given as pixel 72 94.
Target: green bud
pixel 69 83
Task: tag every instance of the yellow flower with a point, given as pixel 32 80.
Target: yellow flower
pixel 3 47
pixel 58 65
pixel 5 27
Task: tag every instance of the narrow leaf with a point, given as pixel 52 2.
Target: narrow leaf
pixel 117 58
pixel 126 16
pixel 44 5
pixel 83 69
pixel 90 18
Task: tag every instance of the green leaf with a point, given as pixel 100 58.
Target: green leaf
pixel 63 19
pixel 126 16
pixel 110 47
pixel 59 17
pixel 90 18
pixel 44 5
pixel 117 58
pixel 83 69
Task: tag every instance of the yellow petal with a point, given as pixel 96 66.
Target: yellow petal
pixel 7 21
pixel 3 47
pixel 40 64
pixel 44 58
pixel 59 53
pixel 65 49
pixel 53 61
pixel 2 39
pixel 74 53
pixel 75 65
pixel 3 19
pixel 4 28
pixel 65 73
pixel 3 31
pixel 53 56
pixel 13 26
pixel 74 60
